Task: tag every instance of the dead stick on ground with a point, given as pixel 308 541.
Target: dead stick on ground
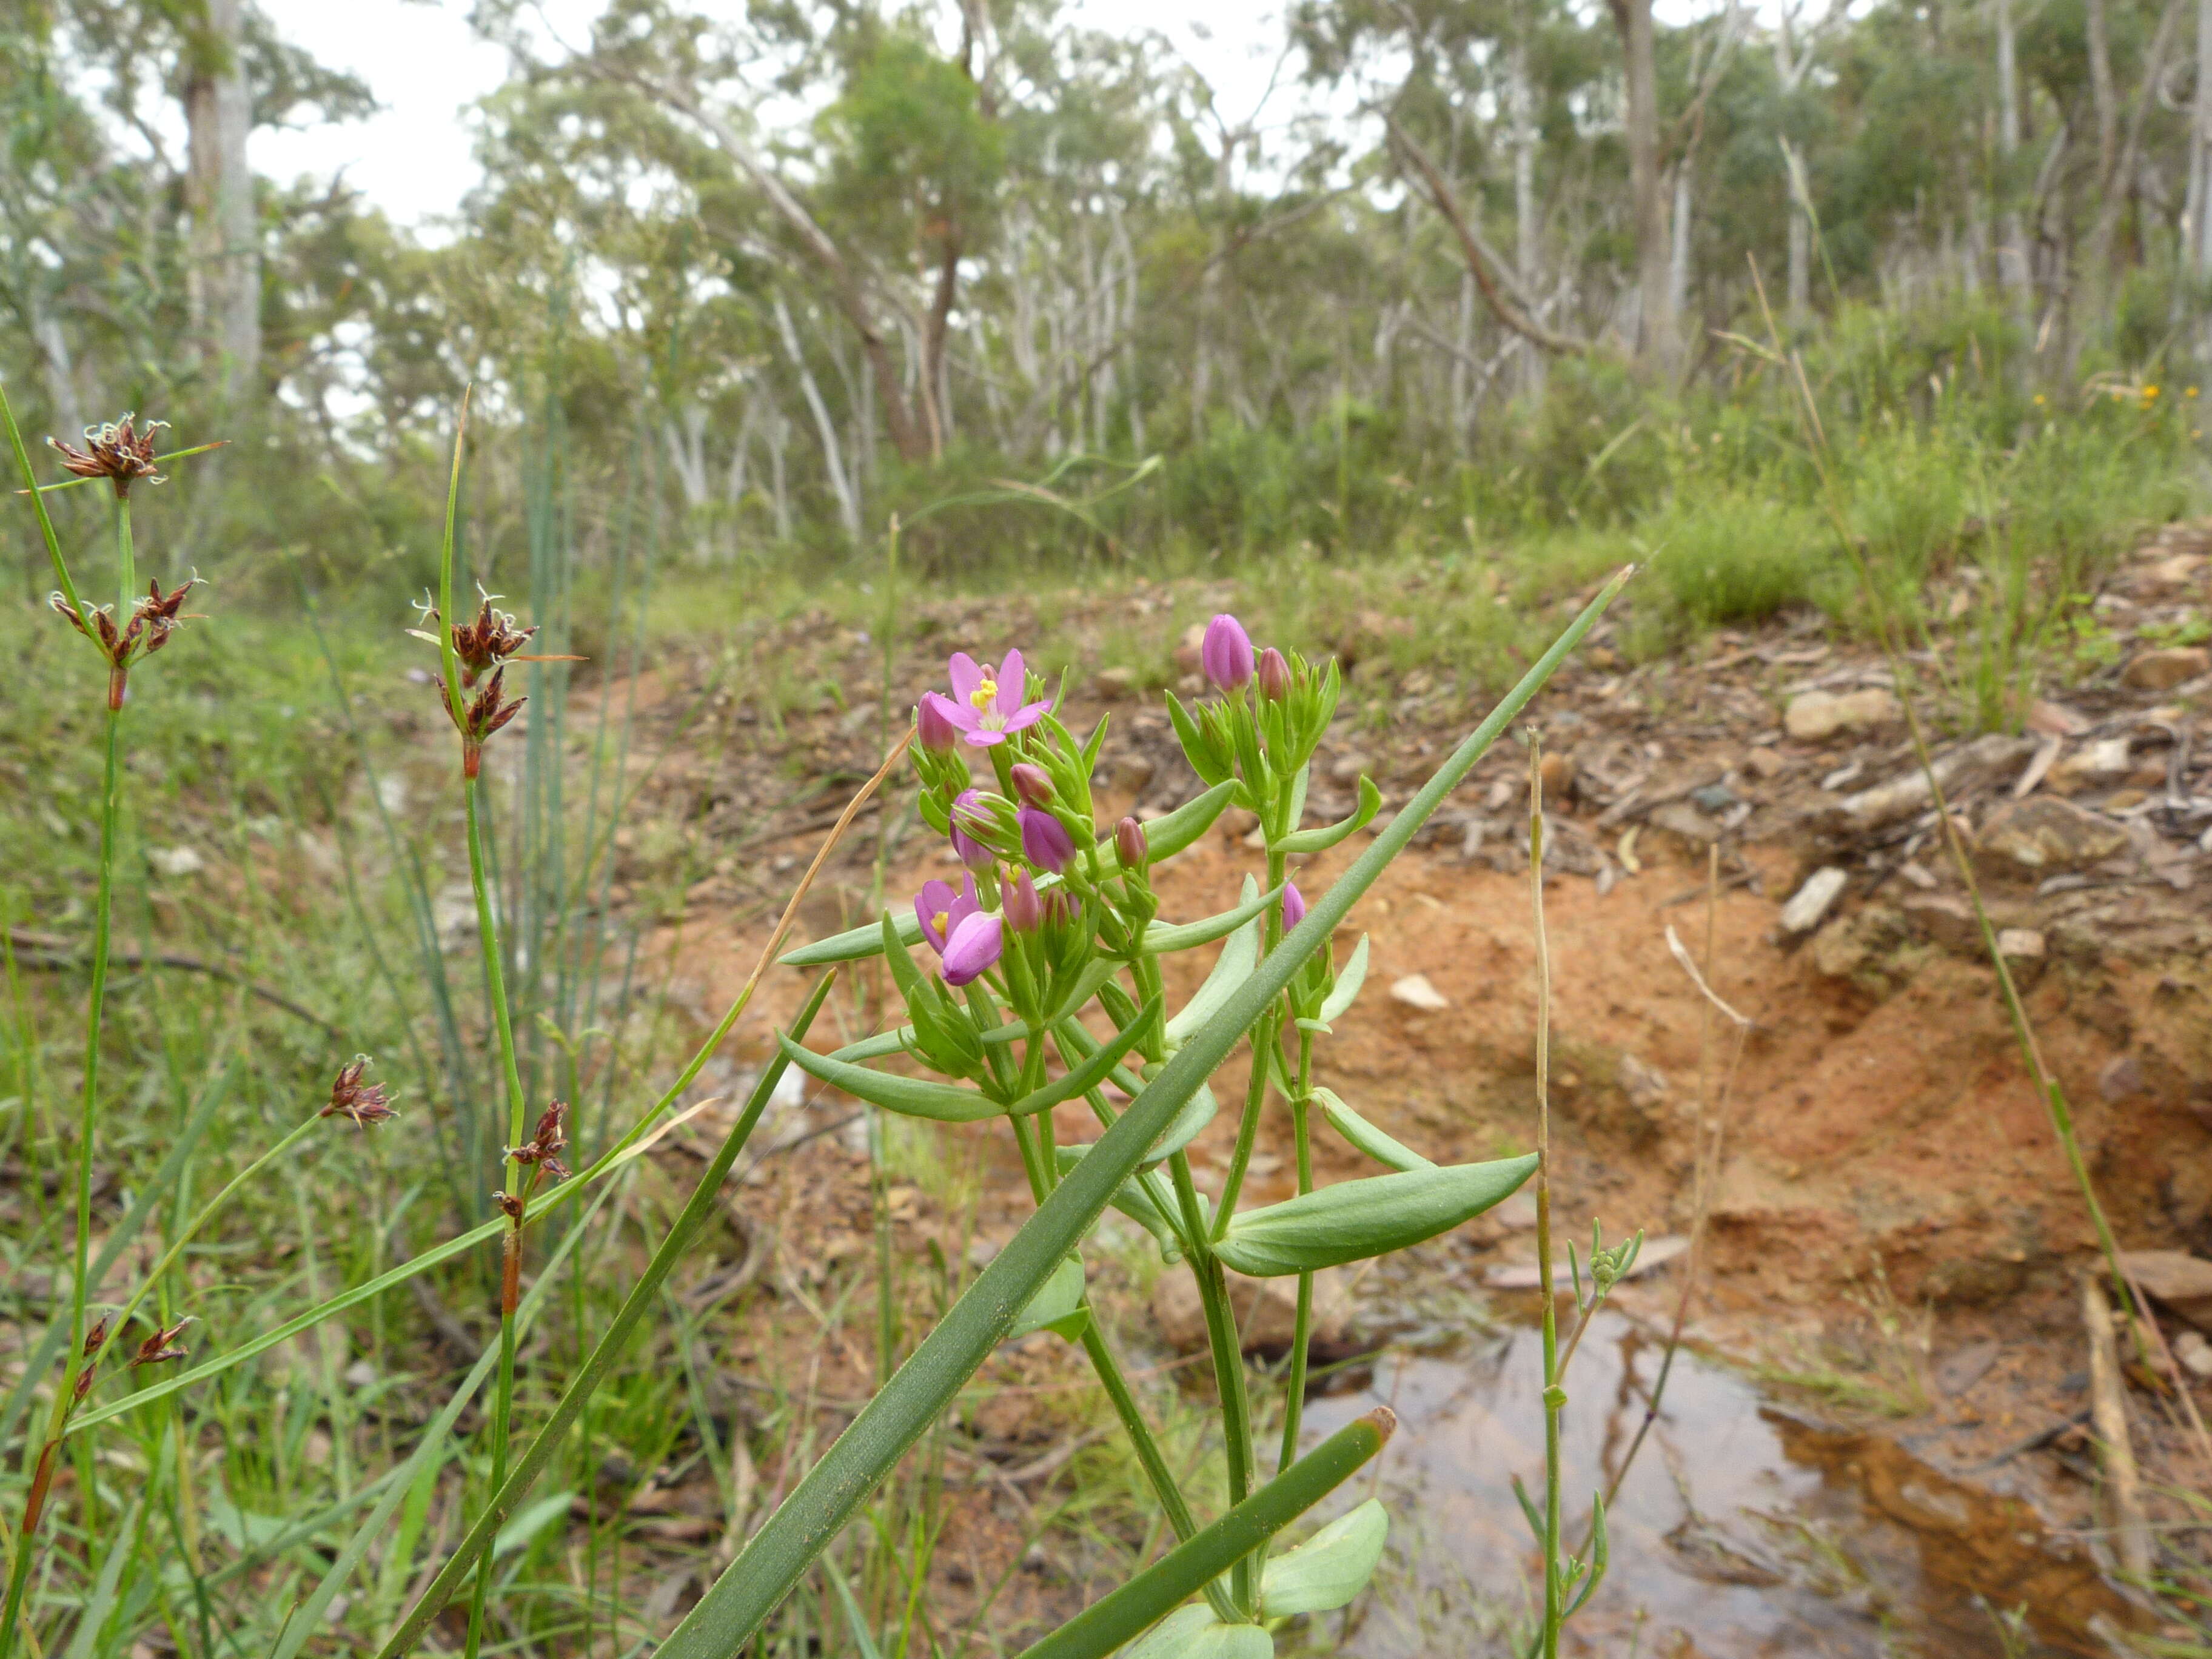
pixel 51 952
pixel 2109 1411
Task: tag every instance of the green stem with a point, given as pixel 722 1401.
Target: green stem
pixel 1554 1396
pixel 517 1115
pixel 1302 1331
pixel 1235 1407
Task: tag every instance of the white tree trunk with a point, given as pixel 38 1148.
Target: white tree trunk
pixel 224 279
pixel 833 459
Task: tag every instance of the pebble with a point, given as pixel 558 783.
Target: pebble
pixel 1713 798
pixel 1816 716
pixel 1415 992
pixel 1112 683
pixel 2159 671
pixel 2194 1352
pixel 1810 903
pixel 2020 943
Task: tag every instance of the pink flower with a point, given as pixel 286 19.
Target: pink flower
pixel 940 910
pixel 934 728
pixel 1024 911
pixel 1225 652
pixel 1294 906
pixel 967 809
pixel 984 700
pixel 975 944
pixel 1045 840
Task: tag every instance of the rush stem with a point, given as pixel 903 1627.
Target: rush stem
pixel 1301 1330
pixel 1554 1395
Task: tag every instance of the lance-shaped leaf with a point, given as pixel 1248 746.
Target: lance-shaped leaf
pixel 1162 938
pixel 1164 836
pixel 1366 1137
pixel 777 1556
pixel 1230 969
pixel 900 1041
pixel 1356 1219
pixel 1095 974
pixel 1058 1307
pixel 1349 979
pixel 1329 1568
pixel 1093 1072
pixel 1197 1633
pixel 910 1096
pixel 1207 1554
pixel 1327 836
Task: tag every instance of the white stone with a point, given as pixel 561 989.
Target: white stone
pixel 1810 903
pixel 176 860
pixel 1415 992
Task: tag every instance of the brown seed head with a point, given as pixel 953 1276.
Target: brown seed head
pixel 482 716
pixel 545 1145
pixel 121 452
pixel 161 1346
pixel 489 640
pixel 364 1103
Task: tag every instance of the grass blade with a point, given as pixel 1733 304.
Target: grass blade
pixel 1152 1594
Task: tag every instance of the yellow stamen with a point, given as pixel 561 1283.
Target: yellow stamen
pixel 984 694
pixel 939 922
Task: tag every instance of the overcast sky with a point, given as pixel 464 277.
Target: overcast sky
pixel 416 158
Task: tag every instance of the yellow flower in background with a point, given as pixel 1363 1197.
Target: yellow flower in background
pixel 2192 392
pixel 2150 392
pixel 2039 400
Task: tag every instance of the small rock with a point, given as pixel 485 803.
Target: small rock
pixel 1679 817
pixel 1916 876
pixel 176 860
pixel 1557 769
pixel 1816 716
pixel 2121 1077
pixel 2194 1352
pixel 2055 720
pixel 1237 822
pixel 1415 992
pixel 1516 1214
pixel 1809 905
pixel 1943 920
pixel 1190 648
pixel 1114 683
pixel 2182 1281
pixel 1857 947
pixel 1346 768
pixel 2041 835
pixel 1645 1085
pixel 1713 798
pixel 2160 671
pixel 2021 944
pixel 2123 800
pixel 2103 762
pixel 1766 763
pixel 361 1374
pixel 1132 772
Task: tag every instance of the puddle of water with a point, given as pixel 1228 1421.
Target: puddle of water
pixel 1740 1533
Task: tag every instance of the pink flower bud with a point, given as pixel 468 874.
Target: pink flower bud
pixel 1226 653
pixel 975 944
pixel 1129 844
pixel 1032 784
pixel 934 728
pixel 967 809
pixel 1294 906
pixel 1275 675
pixel 1024 911
pixel 1045 840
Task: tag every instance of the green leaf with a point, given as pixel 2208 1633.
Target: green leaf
pixel 1349 979
pixel 1320 840
pixel 1366 1137
pixel 777 1556
pixel 1209 765
pixel 1093 1072
pixel 910 1096
pixel 1197 1112
pixel 856 1622
pixel 1329 1568
pixel 1230 969
pixel 1356 1219
pixel 898 1041
pixel 1087 984
pixel 1058 1307
pixel 1161 939
pixel 1207 1554
pixel 1194 1632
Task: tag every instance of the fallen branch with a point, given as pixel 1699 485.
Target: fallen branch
pixel 2108 1409
pixel 50 952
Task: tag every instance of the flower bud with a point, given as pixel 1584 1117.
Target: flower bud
pixel 1045 840
pixel 1226 653
pixel 1294 906
pixel 1024 911
pixel 967 809
pixel 1129 844
pixel 1275 675
pixel 1032 784
pixel 933 729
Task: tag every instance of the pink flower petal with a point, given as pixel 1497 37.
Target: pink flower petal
pixel 985 739
pixel 1027 715
pixel 965 675
pixel 960 714
pixel 975 944
pixel 1012 678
